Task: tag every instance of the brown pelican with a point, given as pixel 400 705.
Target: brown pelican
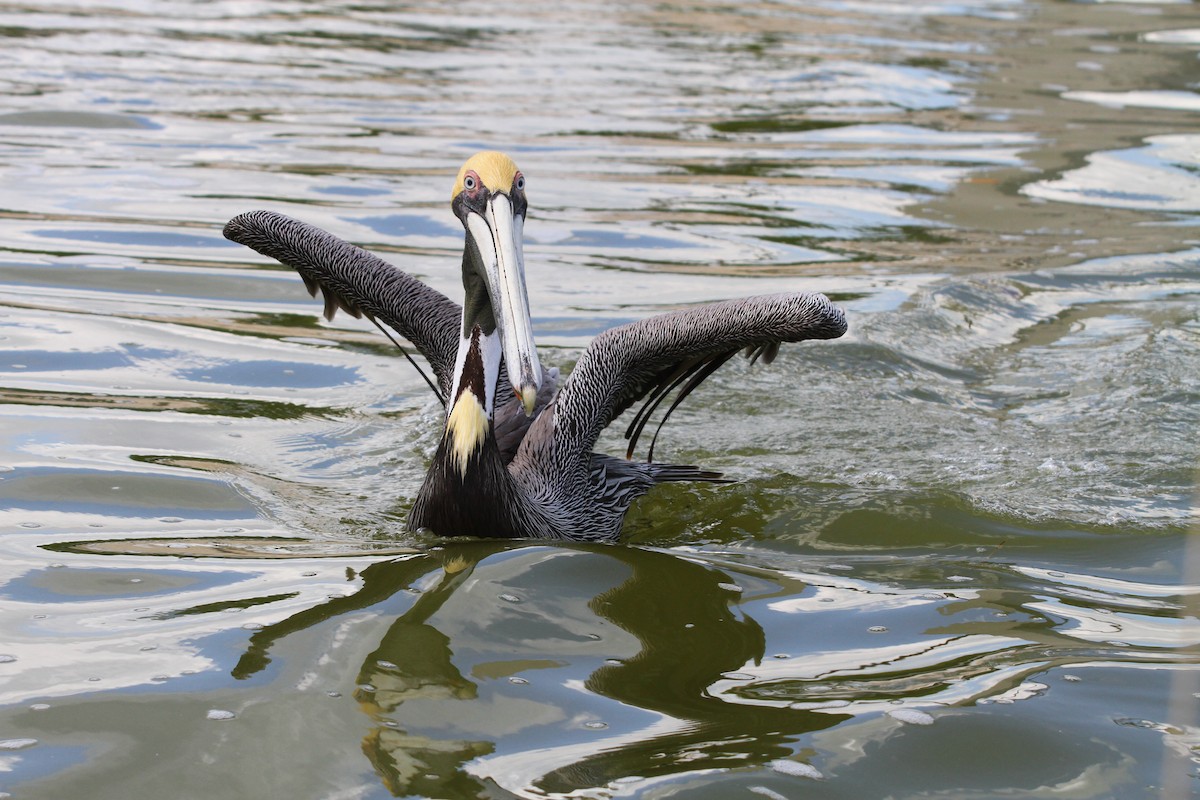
pixel 515 458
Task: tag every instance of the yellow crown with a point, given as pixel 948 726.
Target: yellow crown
pixel 496 170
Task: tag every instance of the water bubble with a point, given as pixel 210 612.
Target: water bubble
pixel 1131 722
pixel 765 792
pixel 232 530
pixel 141 610
pixel 796 768
pixel 824 599
pixel 1054 574
pixel 135 580
pixel 366 687
pixel 7 659
pixel 147 648
pixel 388 723
pixel 595 725
pixel 730 587
pixel 689 625
pixel 220 714
pixel 56 565
pixel 510 598
pixel 911 716
pixel 308 574
pixel 958 578
pixel 840 567
pixel 170 520
pixel 835 704
pixel 877 629
pixel 31 524
pixel 333 693
pixel 1072 678
pixel 781 655
pixel 38 706
pixel 595 637
pixel 516 681
pixel 17 744
pixel 385 664
pixel 737 676
pixel 613 662
pixel 252 626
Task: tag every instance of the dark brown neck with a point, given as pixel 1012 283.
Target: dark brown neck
pixel 479 500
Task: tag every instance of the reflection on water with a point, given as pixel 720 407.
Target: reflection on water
pixel 957 560
pixel 558 669
pixel 449 684
pixel 1158 176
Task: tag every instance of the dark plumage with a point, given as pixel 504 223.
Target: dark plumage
pixel 521 475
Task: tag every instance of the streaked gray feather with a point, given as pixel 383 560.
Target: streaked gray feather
pixel 358 282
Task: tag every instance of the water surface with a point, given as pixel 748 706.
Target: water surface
pixel 955 562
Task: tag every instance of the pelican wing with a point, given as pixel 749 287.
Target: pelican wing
pixel 650 358
pixel 359 283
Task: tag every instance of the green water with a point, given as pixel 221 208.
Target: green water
pixel 957 559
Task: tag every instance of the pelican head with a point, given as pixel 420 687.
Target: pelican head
pixel 489 198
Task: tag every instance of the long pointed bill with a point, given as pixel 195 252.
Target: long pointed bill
pixel 498 236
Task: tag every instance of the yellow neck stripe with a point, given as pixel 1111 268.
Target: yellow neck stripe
pixel 467 428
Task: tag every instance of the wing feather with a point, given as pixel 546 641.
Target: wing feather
pixel 352 280
pixel 648 359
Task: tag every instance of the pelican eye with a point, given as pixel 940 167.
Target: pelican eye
pixel 519 182
pixel 470 182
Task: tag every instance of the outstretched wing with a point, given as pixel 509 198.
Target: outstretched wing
pixel 359 283
pixel 650 358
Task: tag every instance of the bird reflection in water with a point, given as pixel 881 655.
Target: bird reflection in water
pixel 532 626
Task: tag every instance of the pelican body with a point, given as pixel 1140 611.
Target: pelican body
pixel 515 456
